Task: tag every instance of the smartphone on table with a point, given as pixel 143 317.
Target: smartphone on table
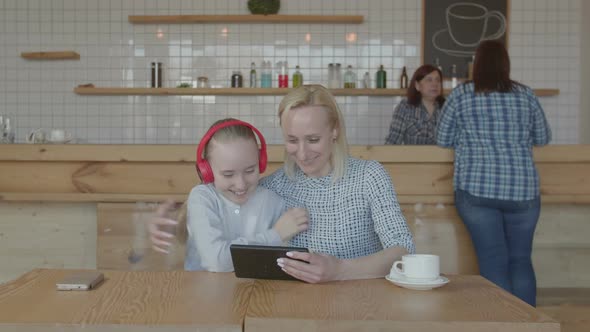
pixel 83 280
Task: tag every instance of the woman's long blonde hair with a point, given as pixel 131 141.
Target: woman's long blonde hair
pixel 318 95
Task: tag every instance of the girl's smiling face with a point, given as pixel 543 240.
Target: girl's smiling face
pixel 235 168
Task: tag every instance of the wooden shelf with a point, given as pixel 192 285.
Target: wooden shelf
pixel 59 55
pixel 284 19
pixel 249 92
pixel 226 92
pixel 546 92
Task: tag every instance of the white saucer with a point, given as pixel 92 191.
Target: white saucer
pixel 418 285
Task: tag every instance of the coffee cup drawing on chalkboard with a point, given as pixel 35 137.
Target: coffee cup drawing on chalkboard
pixel 464 41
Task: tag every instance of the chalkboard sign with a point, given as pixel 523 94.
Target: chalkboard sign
pixel 452 30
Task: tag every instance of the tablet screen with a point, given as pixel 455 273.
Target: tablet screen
pixel 260 262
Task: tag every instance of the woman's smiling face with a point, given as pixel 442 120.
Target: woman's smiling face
pixel 309 139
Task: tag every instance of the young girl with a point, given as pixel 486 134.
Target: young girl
pixel 229 207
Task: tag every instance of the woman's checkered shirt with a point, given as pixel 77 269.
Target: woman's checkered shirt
pixel 357 216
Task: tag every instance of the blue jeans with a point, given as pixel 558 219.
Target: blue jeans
pixel 502 234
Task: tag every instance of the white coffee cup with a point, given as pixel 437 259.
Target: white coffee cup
pixel 59 136
pixel 476 17
pixel 418 267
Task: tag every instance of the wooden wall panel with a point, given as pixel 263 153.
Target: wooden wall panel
pixel 562 246
pixel 51 235
pixel 178 178
pixel 73 236
pixel 567 225
pixel 559 256
pixel 572 318
pixel 562 266
pixel 121 233
pixel 564 178
pixel 96 177
pixel 99 177
pixel 123 243
pixel 421 179
pixel 438 229
pixel 419 173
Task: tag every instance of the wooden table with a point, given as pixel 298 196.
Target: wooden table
pixel 126 301
pixel 202 301
pixel 467 303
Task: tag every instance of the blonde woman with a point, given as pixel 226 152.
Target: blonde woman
pixel 356 227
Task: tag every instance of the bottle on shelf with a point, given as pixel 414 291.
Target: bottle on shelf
pixel 283 74
pixel 156 75
pixel 437 64
pixel 297 78
pixel 203 82
pixel 253 77
pixel 470 68
pixel 2 129
pixel 236 79
pixel 403 80
pixel 334 76
pixel 381 78
pixel 367 80
pixel 6 131
pixel 454 79
pixel 266 76
pixel 9 131
pixel 349 78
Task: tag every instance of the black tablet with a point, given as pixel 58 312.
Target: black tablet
pixel 260 262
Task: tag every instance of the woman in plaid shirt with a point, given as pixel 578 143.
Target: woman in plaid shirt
pixel 493 123
pixel 415 118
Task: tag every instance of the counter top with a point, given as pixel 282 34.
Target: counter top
pixel 186 153
pixel 132 173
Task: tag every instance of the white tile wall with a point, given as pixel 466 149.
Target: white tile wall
pixel 544 45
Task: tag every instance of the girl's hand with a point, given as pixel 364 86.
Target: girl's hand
pixel 160 238
pixel 291 223
pixel 319 267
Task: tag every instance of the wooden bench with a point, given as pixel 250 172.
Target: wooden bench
pixel 123 245
pixel 570 306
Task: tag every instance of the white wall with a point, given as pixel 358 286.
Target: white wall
pixel 585 82
pixel 544 45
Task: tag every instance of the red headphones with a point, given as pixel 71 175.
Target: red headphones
pixel 204 169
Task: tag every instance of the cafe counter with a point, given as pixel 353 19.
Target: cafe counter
pixel 131 173
pixel 82 206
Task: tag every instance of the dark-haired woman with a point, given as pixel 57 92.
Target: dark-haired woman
pixel 416 117
pixel 493 123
